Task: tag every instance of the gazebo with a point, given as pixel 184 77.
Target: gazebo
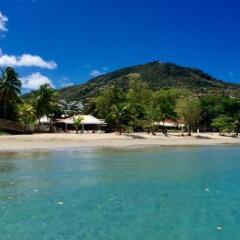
pixel 88 121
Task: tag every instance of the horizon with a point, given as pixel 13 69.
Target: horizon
pixel 64 44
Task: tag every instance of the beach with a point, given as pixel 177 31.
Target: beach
pixel 75 141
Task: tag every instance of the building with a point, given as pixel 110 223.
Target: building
pixel 168 123
pixel 88 123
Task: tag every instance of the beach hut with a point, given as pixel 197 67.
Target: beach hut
pixel 43 124
pixel 170 124
pixel 88 122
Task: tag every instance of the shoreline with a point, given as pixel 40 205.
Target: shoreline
pixel 63 141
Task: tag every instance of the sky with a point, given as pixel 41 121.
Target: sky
pixel 65 42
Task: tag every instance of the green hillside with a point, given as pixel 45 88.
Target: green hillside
pixel 157 75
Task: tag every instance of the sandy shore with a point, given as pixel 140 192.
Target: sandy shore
pixel 68 141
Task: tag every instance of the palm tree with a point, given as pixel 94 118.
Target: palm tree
pixel 10 89
pixel 26 114
pixel 77 122
pixel 45 102
pixel 119 114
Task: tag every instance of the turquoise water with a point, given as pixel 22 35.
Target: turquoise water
pixel 169 193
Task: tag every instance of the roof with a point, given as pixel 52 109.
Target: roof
pixel 87 120
pixel 43 120
pixel 170 123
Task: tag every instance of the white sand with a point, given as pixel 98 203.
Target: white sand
pixel 67 141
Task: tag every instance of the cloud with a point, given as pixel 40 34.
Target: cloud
pixel 35 80
pixel 65 82
pixel 25 60
pixel 96 73
pixel 3 22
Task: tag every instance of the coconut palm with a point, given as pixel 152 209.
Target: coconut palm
pixel 77 122
pixel 10 89
pixel 119 114
pixel 45 101
pixel 26 114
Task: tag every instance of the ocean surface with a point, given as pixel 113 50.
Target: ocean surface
pixel 176 193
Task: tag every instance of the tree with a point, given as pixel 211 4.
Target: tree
pixel 26 114
pixel 148 123
pixel 119 114
pixel 138 97
pixel 214 106
pixel 237 123
pixel 224 124
pixel 77 122
pixel 45 101
pixel 188 109
pixel 10 89
pixel 164 103
pixel 105 102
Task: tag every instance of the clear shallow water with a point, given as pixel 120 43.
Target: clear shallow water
pixel 169 193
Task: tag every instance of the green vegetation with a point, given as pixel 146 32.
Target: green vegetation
pixel 140 108
pixel 157 76
pixel 27 114
pixel 10 90
pixel 43 102
pixel 224 124
pixel 77 123
pixel 188 109
pixel 139 98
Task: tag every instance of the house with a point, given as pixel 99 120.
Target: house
pixel 88 122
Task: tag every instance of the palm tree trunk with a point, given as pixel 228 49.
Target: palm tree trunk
pixel 4 108
pixel 39 124
pixel 189 131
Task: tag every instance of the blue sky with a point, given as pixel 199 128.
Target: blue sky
pixel 69 41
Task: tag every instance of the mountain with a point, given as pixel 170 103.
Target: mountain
pixel 157 75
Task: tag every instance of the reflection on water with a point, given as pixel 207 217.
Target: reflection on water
pixel 168 193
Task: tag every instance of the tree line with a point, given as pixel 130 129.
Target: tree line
pixel 139 108
pixel 132 108
pixel 43 102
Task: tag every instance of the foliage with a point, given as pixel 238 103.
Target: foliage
pixel 106 102
pixel 138 97
pixel 224 124
pixel 214 106
pixel 164 104
pixel 157 76
pixel 45 101
pixel 119 113
pixel 77 122
pixel 188 109
pixel 10 90
pixel 27 114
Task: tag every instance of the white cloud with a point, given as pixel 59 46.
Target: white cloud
pixel 26 60
pixel 3 22
pixel 65 82
pixel 35 80
pixel 96 73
